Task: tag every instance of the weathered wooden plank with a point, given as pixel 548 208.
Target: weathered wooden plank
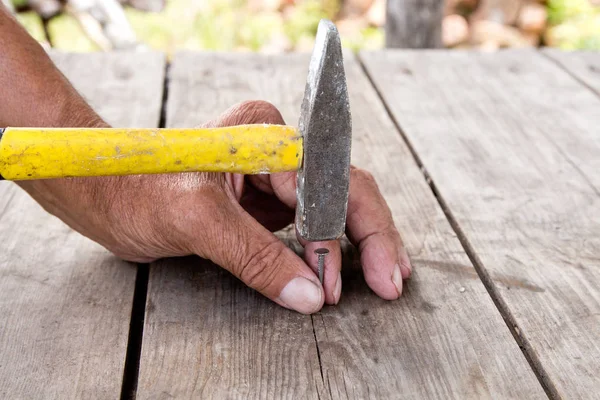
pixel 207 335
pixel 124 87
pixel 582 144
pixel 415 24
pixel 444 338
pixel 500 137
pixel 65 301
pixel 583 65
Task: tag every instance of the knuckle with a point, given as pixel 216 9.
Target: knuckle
pixel 249 112
pixel 363 176
pixel 385 230
pixel 259 112
pixel 260 266
pixel 385 234
pixel 284 180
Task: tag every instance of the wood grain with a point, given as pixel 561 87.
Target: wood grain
pixel 582 145
pixel 509 141
pixel 208 336
pixel 65 301
pixel 583 65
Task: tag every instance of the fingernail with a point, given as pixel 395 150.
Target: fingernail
pixel 337 291
pixel 397 279
pixel 405 265
pixel 302 295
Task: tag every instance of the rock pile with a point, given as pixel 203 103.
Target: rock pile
pixel 494 24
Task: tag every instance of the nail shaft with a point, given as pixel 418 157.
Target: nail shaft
pixel 321 253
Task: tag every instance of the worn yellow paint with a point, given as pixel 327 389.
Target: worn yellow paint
pixel 40 153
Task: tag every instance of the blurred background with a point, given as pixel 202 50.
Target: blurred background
pixel 274 26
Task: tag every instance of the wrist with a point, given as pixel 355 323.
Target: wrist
pixel 69 110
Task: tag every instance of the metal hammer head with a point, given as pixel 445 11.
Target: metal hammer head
pixel 326 128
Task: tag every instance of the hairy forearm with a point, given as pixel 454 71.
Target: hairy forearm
pixel 34 92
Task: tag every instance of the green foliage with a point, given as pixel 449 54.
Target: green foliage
pixel 19 3
pixel 219 25
pixel 331 8
pixel 66 34
pixel 575 25
pixel 367 39
pixel 215 28
pixel 560 11
pixel 580 33
pixel 33 25
pixel 258 30
pixel 173 28
pixel 305 19
pixel 590 43
pixel 216 25
pixel 226 24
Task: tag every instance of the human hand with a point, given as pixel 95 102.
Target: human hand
pixel 226 218
pixel 229 219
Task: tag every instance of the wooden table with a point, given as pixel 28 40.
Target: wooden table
pixel 490 163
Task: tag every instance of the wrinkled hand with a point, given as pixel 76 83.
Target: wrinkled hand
pixel 229 219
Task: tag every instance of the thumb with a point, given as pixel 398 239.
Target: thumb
pixel 250 251
pixel 258 258
pixel 248 112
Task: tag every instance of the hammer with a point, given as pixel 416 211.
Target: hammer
pixel 318 149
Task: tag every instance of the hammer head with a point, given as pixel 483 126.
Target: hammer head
pixel 326 128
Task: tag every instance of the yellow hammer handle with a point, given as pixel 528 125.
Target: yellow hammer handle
pixel 41 153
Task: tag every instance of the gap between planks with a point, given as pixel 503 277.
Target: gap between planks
pixel 484 276
pixel 312 321
pixel 131 371
pixel 136 334
pixel 71 335
pixel 580 80
pixel 553 58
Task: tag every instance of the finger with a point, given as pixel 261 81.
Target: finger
pixel 260 112
pixel 250 252
pixel 251 112
pixel 284 187
pixel 261 182
pixel 370 227
pixel 248 112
